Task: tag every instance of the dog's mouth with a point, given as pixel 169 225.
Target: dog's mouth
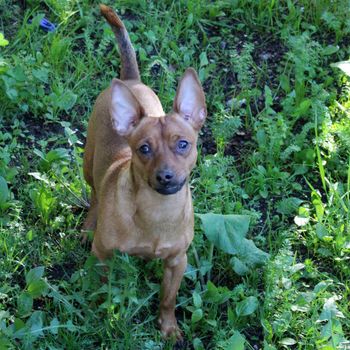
pixel 170 188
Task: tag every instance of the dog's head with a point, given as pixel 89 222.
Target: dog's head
pixel 164 149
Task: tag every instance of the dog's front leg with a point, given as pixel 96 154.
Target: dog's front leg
pixel 100 248
pixel 102 253
pixel 174 269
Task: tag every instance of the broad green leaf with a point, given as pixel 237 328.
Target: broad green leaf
pixel 227 232
pixel 212 293
pixel 35 274
pixel 54 324
pixel 197 316
pixel 66 100
pixel 236 342
pixel 327 331
pixel 321 231
pixel 41 74
pixel 297 267
pixel 4 315
pixel 197 300
pixel 205 266
pixel 35 323
pixel 333 331
pixel 191 272
pixel 4 191
pixel 18 74
pixel 37 288
pixel 239 267
pixel 19 324
pixel 12 93
pixel 57 154
pixel 189 20
pixel 217 295
pixel 11 173
pixel 24 304
pixel 330 50
pixel 30 235
pixel 247 306
pixel 202 74
pixel 203 59
pixel 330 310
pixel 197 344
pixel 288 206
pixel 321 286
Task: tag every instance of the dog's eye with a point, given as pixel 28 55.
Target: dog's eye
pixel 145 149
pixel 182 145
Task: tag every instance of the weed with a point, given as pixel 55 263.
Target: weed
pixel 269 73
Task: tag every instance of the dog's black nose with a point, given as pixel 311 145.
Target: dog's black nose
pixel 164 176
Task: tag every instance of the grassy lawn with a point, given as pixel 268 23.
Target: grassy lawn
pixel 274 154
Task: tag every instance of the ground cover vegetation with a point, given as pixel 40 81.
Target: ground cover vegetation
pixel 269 266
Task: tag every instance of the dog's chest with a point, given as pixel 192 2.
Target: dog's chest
pixel 153 229
pixel 152 239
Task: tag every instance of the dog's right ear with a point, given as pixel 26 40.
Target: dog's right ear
pixel 125 110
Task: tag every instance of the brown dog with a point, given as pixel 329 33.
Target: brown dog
pixel 137 161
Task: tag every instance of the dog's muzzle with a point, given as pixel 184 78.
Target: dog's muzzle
pixel 170 188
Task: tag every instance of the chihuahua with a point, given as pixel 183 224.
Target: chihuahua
pixel 138 161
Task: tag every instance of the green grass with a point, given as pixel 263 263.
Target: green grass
pixel 275 149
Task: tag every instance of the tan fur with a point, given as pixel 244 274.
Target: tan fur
pixel 127 213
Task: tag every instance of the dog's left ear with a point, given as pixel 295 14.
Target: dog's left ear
pixel 190 100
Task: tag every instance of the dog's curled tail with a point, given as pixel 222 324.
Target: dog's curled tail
pixel 129 67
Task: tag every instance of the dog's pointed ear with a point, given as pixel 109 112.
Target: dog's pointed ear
pixel 190 100
pixel 125 110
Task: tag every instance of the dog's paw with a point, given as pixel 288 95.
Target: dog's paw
pixel 169 328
